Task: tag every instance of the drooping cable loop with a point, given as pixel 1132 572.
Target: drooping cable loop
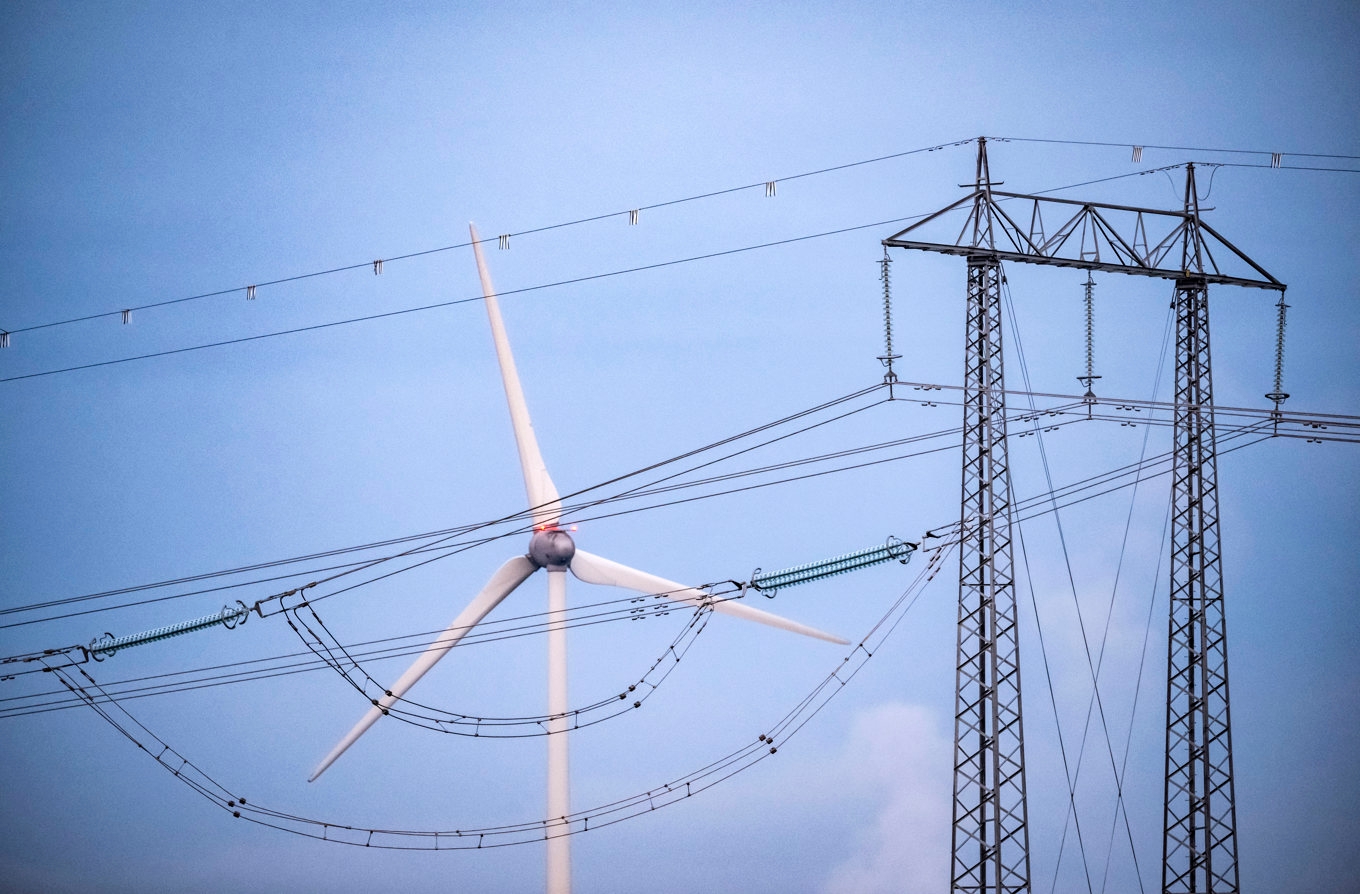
pixel 22 665
pixel 90 693
pixel 317 637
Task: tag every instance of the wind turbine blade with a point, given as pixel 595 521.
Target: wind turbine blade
pixel 595 569
pixel 502 583
pixel 543 496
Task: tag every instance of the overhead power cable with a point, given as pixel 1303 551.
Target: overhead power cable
pixel 250 290
pixel 1031 507
pixel 366 264
pixel 381 649
pixel 1265 152
pixel 1238 164
pixel 85 688
pixel 1307 425
pixel 317 637
pixel 459 301
pixel 523 516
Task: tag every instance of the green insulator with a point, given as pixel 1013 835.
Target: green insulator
pixel 802 574
pixel 229 617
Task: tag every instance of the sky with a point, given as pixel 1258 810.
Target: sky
pixel 155 152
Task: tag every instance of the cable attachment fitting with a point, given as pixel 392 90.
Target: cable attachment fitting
pixel 887 357
pixel 101 646
pixel 767 592
pixel 235 616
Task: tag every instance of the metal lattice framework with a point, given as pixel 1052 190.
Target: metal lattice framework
pixel 1200 812
pixel 990 837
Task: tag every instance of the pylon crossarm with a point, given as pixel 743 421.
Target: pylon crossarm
pixel 1118 239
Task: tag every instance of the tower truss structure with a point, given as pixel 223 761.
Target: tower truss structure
pixel 1200 810
pixel 991 832
pixel 990 828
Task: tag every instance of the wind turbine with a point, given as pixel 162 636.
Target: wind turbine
pixel 552 549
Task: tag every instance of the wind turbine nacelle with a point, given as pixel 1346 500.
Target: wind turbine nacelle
pixel 552 548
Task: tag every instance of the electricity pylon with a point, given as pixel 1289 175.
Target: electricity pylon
pixel 990 835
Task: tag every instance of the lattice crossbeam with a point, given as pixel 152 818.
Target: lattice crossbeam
pixel 1090 236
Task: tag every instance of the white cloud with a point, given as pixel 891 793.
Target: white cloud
pixel 897 756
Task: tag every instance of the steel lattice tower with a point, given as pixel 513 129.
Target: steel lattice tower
pixel 1200 818
pixel 990 837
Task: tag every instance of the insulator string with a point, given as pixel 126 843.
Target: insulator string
pixel 1089 379
pixel 1278 395
pixel 887 358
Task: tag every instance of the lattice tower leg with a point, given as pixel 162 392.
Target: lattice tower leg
pixel 1200 845
pixel 990 837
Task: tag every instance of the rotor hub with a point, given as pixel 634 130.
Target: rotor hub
pixel 552 548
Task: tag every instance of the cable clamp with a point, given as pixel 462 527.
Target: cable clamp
pixel 101 645
pixel 751 584
pixel 234 617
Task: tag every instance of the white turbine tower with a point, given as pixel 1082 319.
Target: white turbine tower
pixel 552 549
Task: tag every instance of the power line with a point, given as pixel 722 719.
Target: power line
pixel 1265 152
pixel 438 305
pixel 457 301
pixel 1029 508
pixel 446 534
pixel 1311 423
pixel 92 694
pixel 694 198
pixel 249 289
pixel 699 197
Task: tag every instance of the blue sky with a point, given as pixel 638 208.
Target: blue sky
pixel 158 151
